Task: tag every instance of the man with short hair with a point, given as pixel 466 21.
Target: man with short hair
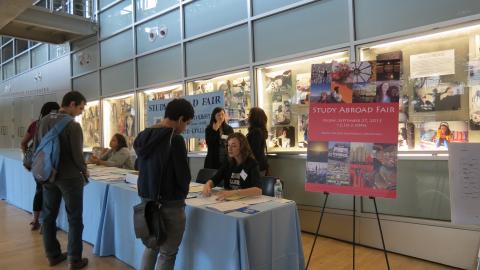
pixel 165 177
pixel 68 184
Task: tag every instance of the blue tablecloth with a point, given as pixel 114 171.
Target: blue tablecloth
pixel 269 239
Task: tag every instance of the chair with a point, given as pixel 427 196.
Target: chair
pixel 205 174
pixel 268 184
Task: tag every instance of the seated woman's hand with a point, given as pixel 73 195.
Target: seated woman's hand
pixel 225 194
pixel 207 189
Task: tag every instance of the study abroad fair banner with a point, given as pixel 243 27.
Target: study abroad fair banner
pixel 203 104
pixel 353 128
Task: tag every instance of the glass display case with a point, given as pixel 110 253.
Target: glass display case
pixel 167 92
pixel 238 102
pixel 440 97
pixel 119 117
pixel 284 94
pixel 90 122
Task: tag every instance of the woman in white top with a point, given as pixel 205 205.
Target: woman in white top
pixel 117 156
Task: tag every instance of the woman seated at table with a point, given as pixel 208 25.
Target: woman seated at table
pixel 240 174
pixel 117 156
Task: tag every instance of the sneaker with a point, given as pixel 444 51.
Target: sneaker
pixel 77 264
pixel 34 225
pixel 56 260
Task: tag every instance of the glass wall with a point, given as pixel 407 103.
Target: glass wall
pixel 238 102
pixel 119 117
pixel 440 97
pixel 284 94
pixel 167 92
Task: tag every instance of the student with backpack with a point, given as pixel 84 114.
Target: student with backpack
pixel 59 165
pixel 27 146
pixel 164 178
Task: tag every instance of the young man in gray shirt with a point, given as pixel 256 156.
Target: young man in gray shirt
pixel 68 184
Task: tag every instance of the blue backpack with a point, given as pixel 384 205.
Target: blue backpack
pixel 47 153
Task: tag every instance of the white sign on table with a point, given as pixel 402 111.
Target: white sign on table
pixel 464 171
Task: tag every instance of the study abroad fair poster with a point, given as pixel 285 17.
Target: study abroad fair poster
pixel 203 104
pixel 353 130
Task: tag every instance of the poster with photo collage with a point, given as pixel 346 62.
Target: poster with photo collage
pixel 91 125
pixel 353 128
pixel 237 100
pixel 122 117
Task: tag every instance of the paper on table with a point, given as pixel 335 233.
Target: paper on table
pixel 226 207
pixel 464 171
pixel 256 199
pixel 201 201
pixel 195 188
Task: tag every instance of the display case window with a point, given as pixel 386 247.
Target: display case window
pixel 90 122
pixel 440 96
pixel 237 91
pixel 284 95
pixel 119 117
pixel 167 92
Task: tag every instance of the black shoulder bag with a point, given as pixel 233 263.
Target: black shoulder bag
pixel 147 218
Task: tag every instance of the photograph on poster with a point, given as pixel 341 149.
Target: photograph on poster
pixel 202 88
pixel 387 91
pixel 281 110
pixel 237 97
pixel 302 86
pixel 303 130
pixel 320 82
pixel 122 117
pixel 360 72
pixel 317 162
pixel 388 66
pixel 437 135
pixel 475 108
pixel 338 164
pixel 283 137
pixel 402 136
pixel 279 81
pixel 364 92
pixel 384 167
pixel 361 164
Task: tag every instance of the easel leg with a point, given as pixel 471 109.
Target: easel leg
pixel 318 228
pixel 381 233
pixel 354 214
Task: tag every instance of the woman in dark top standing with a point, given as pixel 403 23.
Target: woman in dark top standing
pixel 257 134
pixel 216 135
pixel 240 174
pixel 27 138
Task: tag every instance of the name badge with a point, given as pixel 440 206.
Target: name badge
pixel 224 137
pixel 244 175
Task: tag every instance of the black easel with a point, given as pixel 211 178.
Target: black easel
pixel 381 233
pixel 353 242
pixel 318 228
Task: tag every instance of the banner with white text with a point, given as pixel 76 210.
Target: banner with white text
pixel 203 105
pixel 353 128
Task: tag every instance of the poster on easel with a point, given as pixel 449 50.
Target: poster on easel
pixel 203 104
pixel 353 129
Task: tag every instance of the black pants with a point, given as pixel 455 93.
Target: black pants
pixel 38 198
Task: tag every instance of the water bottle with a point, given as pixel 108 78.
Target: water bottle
pixel 278 190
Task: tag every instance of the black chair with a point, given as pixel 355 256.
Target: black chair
pixel 205 174
pixel 268 184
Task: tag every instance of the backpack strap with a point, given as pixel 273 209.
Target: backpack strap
pixel 164 169
pixel 54 131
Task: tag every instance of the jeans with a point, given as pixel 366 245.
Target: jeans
pixel 71 190
pixel 38 198
pixel 440 141
pixel 174 218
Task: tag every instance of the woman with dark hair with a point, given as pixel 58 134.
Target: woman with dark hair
pixel 117 156
pixel 240 175
pixel 216 135
pixel 27 138
pixel 257 134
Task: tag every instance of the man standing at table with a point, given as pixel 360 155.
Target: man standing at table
pixel 68 184
pixel 165 176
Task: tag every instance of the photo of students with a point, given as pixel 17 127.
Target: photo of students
pixel 240 175
pixel 438 135
pixel 117 156
pixel 444 135
pixel 387 91
pixel 216 135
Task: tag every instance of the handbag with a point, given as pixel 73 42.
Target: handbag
pixel 28 155
pixel 148 221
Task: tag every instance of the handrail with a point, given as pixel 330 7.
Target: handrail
pixel 82 8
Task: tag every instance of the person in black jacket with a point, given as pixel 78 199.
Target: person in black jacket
pixel 240 175
pixel 165 176
pixel 216 134
pixel 257 134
